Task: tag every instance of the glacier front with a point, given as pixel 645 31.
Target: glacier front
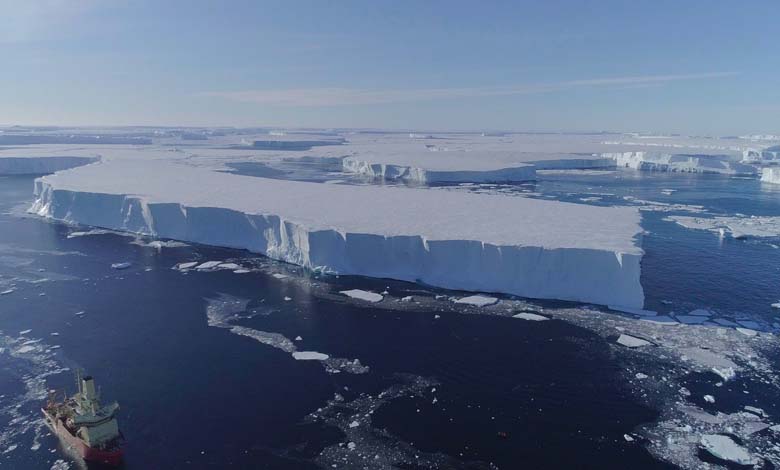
pixel 457 240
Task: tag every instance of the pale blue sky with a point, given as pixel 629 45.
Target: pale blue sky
pixel 671 66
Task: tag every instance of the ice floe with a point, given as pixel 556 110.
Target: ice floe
pixel 724 448
pixel 632 341
pixel 530 316
pixel 737 226
pixel 367 296
pixel 309 356
pixel 477 300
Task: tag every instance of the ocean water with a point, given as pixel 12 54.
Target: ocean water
pixel 200 361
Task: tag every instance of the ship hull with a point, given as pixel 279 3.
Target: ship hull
pixel 91 454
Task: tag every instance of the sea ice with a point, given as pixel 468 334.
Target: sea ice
pixel 724 447
pixel 691 319
pixel 309 356
pixel 362 295
pixel 477 300
pixel 208 265
pixel 530 316
pixel 747 331
pixel 122 265
pixel 188 265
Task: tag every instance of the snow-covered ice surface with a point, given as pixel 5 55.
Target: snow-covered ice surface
pixel 518 246
pixel 372 297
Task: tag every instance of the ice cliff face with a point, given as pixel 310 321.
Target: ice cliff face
pixel 771 175
pixel 40 165
pixel 684 163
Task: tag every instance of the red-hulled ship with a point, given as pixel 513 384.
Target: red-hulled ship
pixel 86 426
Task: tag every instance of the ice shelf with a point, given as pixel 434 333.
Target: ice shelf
pixel 474 242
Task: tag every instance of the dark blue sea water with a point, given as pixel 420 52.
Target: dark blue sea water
pixel 545 395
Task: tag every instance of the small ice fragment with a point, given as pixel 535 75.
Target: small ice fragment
pixel 775 428
pixel 477 300
pixel 189 265
pixel 628 438
pixel 632 341
pixel 298 338
pixel 755 410
pixel 691 319
pixel 230 266
pixel 55 334
pixel 747 331
pixel 208 265
pixel 354 424
pixel 309 356
pixel 408 298
pixel 122 265
pixel 279 275
pixel 372 297
pixel 700 312
pixel 440 297
pixel 726 373
pixel 640 376
pixel 530 316
pixel 436 317
pixel 24 332
pixel 351 445
pixel 709 398
pixel 6 292
pixel 241 271
pixel 81 313
pixel 723 447
pixel 776 305
pixel 287 299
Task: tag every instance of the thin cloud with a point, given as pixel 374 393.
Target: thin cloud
pixel 301 97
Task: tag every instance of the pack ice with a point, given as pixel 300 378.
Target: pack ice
pixel 474 242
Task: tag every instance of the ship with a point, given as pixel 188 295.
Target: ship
pixel 86 426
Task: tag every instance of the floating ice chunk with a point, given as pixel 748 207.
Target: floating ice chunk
pixel 747 331
pixel 724 322
pixel 372 297
pixel 709 398
pixel 530 316
pixel 242 271
pixel 775 428
pixel 749 324
pixel 726 373
pixel 122 265
pixel 208 265
pixel 408 298
pixel 24 332
pixel 700 312
pixel 351 445
pixel 6 292
pixel 287 299
pixel 632 341
pixel 776 305
pixel 309 356
pixel 26 349
pixel 755 410
pixel 280 275
pixel 641 376
pixel 298 338
pixel 477 300
pixel 81 313
pixel 752 427
pixel 354 424
pixel 188 265
pixel 691 319
pixel 230 266
pixel 723 447
pixel 628 438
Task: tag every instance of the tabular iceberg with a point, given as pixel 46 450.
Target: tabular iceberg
pixel 771 175
pixel 40 165
pixel 531 248
pixel 685 163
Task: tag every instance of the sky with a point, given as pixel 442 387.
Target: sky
pixel 697 67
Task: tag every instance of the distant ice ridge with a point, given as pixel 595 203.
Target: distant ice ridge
pixel 40 165
pixel 483 243
pixel 684 163
pixel 771 175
